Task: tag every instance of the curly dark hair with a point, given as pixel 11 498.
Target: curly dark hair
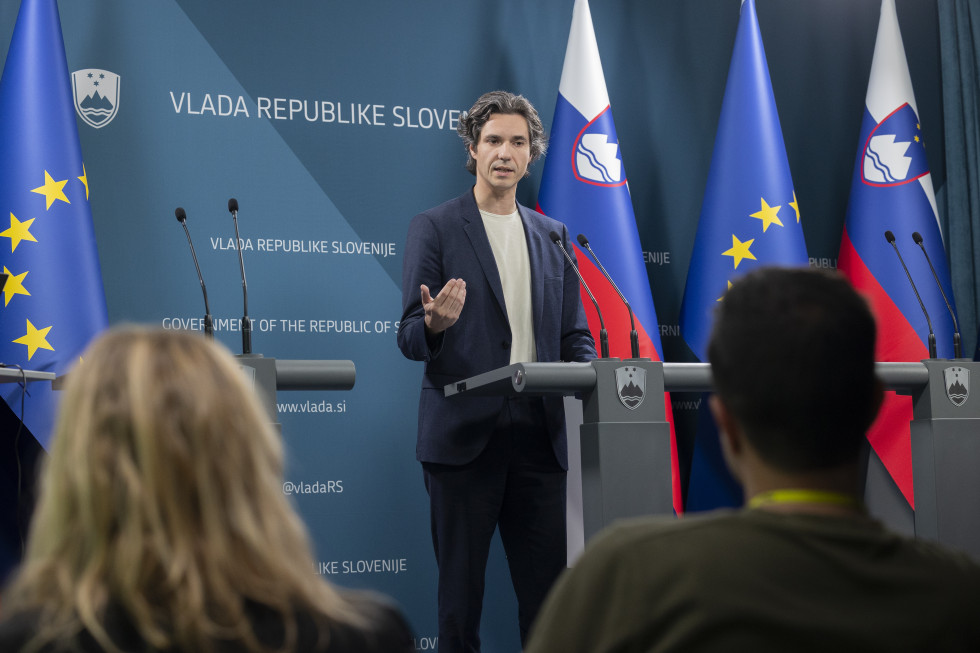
pixel 472 122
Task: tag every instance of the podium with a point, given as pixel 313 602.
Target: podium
pixel 945 433
pixel 15 375
pixel 267 375
pixel 270 375
pixel 625 435
pixel 626 438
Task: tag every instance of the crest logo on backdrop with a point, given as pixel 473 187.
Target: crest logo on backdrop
pixel 96 95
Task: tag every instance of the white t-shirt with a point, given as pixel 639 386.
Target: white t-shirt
pixel 509 245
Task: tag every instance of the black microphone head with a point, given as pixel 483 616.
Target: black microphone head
pixel 889 236
pixel 180 213
pixel 555 238
pixel 582 240
pixel 232 205
pixel 917 237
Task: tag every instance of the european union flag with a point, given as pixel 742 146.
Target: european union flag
pixel 749 217
pixel 53 301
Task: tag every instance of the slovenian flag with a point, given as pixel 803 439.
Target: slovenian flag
pixel 891 190
pixel 749 218
pixel 584 185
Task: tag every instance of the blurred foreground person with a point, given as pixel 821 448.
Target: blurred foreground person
pixel 162 525
pixel 802 567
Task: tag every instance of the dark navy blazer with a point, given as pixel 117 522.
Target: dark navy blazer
pixel 450 241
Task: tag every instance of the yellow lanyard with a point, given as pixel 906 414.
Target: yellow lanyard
pixel 804 496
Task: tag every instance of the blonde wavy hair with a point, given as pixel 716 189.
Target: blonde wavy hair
pixel 162 497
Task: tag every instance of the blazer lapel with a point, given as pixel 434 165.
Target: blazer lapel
pixel 536 253
pixel 477 233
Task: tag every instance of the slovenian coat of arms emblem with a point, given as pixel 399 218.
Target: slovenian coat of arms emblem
pixel 957 384
pixel 96 95
pixel 631 385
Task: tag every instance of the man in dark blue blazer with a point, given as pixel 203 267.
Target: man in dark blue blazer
pixel 484 286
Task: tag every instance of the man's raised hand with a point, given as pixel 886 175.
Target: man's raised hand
pixel 443 311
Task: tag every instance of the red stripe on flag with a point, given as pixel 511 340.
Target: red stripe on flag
pixel 675 475
pixel 614 313
pixel 897 341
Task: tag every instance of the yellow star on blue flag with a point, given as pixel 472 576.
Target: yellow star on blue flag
pixel 749 183
pixel 53 302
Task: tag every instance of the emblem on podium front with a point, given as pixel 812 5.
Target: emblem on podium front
pixel 957 384
pixel 631 385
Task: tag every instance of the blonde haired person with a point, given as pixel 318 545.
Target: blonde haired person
pixel 162 526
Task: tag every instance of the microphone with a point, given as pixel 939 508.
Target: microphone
pixel 634 337
pixel 208 320
pixel 890 237
pixel 956 329
pixel 246 323
pixel 603 336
